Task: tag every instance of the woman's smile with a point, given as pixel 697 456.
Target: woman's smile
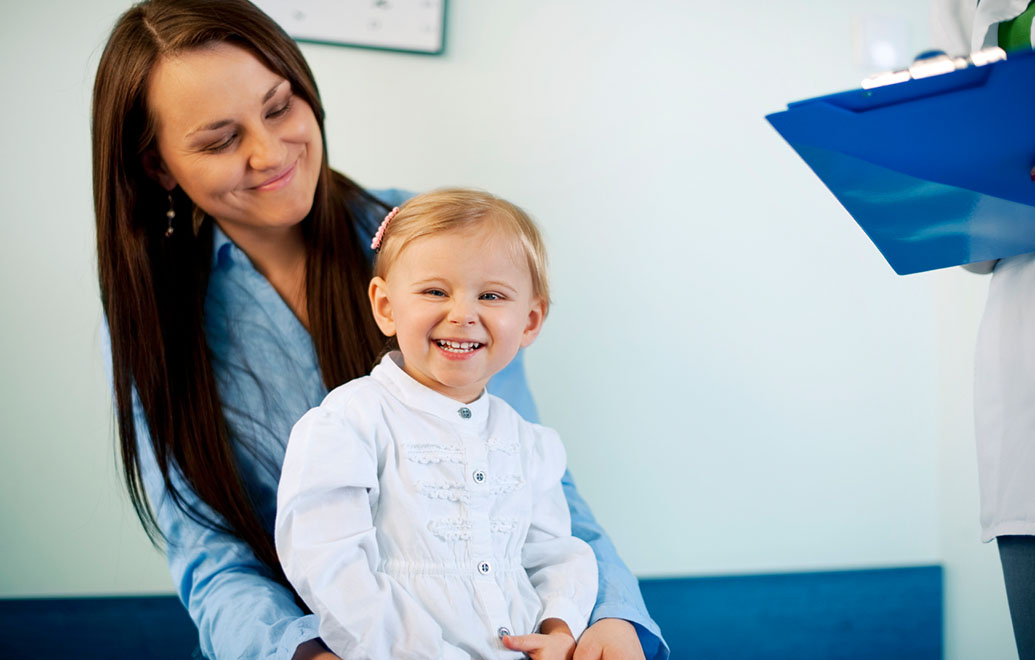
pixel 278 181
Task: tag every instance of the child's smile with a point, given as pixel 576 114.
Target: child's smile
pixel 461 305
pixel 460 349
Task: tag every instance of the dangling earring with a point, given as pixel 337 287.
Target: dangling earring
pixel 170 215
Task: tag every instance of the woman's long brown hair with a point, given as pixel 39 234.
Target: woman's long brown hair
pixel 153 286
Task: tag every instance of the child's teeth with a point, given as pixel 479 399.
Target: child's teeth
pixel 459 345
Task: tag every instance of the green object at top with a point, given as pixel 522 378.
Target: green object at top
pixel 1015 34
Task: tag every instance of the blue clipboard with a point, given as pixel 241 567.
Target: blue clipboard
pixel 938 170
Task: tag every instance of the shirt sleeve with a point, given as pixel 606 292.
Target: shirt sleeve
pixel 328 547
pixel 238 609
pixel 562 568
pixel 618 593
pixel 240 612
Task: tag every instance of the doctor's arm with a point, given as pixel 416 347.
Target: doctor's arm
pixel 981 267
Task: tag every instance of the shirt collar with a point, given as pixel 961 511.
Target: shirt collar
pixel 465 416
pixel 222 247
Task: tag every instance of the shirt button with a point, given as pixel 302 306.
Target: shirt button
pixel 478 476
pixel 464 413
pixel 484 568
pixel 503 632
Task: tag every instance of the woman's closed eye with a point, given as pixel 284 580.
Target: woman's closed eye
pixel 221 145
pixel 281 110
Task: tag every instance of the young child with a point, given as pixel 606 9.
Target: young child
pixel 419 516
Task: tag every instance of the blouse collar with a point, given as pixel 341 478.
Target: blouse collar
pixel 466 416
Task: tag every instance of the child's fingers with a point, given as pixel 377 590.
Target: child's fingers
pixel 524 643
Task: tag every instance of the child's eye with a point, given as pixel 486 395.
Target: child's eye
pixel 435 292
pixel 491 296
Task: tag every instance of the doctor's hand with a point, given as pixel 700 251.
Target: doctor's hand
pixel 554 642
pixel 609 639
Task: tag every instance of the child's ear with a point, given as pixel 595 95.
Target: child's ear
pixel 536 316
pixel 381 306
pixel 156 169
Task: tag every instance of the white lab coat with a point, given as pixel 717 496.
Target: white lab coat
pixel 1004 373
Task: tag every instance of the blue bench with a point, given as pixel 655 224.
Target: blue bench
pixel 838 615
pixel 890 614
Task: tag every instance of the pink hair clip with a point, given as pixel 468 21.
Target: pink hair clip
pixel 376 243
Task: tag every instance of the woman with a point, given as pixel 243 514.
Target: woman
pixel 233 275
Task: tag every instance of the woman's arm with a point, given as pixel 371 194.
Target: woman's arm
pixel 618 595
pixel 562 568
pixel 238 609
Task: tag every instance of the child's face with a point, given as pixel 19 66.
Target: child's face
pixel 461 305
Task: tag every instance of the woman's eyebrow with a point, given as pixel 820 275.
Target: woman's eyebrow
pixel 224 122
pixel 273 90
pixel 209 127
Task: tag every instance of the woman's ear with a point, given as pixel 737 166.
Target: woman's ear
pixel 381 306
pixel 156 169
pixel 536 316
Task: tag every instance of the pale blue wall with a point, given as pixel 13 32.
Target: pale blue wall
pixel 742 382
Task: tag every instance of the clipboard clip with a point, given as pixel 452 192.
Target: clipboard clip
pixel 934 63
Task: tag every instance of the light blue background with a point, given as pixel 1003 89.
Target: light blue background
pixel 742 383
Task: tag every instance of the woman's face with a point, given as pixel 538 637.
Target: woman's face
pixel 236 139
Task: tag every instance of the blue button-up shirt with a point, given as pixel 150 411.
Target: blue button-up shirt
pixel 268 377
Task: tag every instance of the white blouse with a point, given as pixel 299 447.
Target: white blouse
pixel 416 526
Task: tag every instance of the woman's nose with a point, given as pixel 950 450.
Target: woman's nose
pixel 267 151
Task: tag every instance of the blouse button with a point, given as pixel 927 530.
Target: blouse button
pixel 484 568
pixel 503 632
pixel 465 413
pixel 478 476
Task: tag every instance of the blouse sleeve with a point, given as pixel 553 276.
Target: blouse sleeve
pixel 239 610
pixel 618 593
pixel 328 547
pixel 562 568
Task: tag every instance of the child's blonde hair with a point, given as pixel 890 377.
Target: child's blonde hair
pixel 457 209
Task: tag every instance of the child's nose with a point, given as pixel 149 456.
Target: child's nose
pixel 462 313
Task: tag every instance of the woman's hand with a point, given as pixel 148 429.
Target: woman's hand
pixel 553 642
pixel 313 650
pixel 609 639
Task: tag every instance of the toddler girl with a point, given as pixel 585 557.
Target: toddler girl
pixel 418 515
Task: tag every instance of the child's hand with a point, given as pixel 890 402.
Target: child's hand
pixel 554 642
